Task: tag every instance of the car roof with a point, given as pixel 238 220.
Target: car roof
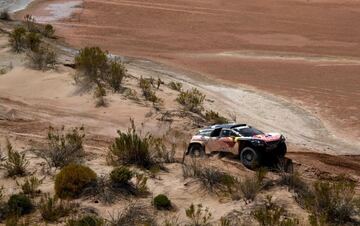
pixel 225 126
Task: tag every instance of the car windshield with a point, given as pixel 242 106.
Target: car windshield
pixel 249 132
pixel 205 133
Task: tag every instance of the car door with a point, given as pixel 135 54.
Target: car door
pixel 227 141
pixel 213 143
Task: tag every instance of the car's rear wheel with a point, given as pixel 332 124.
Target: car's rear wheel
pixel 196 150
pixel 249 157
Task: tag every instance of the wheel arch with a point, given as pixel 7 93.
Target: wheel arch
pixel 195 143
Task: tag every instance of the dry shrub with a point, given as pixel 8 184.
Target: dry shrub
pixel 72 181
pixel 64 147
pixel 192 100
pixel 30 186
pixel 52 209
pixel 87 220
pixel 15 163
pixel 270 214
pixel 4 15
pixel 48 31
pixel 211 179
pixel 214 118
pixel 32 41
pixel 99 95
pixel 14 220
pixel 198 215
pixel 42 58
pixel 134 214
pixel 94 65
pixel 295 183
pixel 17 39
pixel 30 23
pixel 175 86
pixel 147 91
pixel 333 203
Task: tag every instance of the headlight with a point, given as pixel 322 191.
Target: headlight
pixel 258 142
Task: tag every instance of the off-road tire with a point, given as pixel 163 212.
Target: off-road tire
pixel 281 150
pixel 196 150
pixel 250 158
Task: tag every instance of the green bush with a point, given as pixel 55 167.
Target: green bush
pixel 162 202
pixel 15 163
pixel 17 39
pixel 52 209
pixel 88 220
pixel 94 67
pixel 19 204
pixel 71 181
pixel 192 100
pixel 271 214
pixel 175 86
pixel 214 118
pixel 131 148
pixel 333 202
pixel 121 175
pixel 91 61
pixel 64 147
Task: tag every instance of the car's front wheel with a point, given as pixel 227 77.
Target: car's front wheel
pixel 196 150
pixel 249 157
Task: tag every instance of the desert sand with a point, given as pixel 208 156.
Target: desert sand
pixel 305 51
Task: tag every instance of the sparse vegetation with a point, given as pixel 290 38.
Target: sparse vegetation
pixel 214 118
pixel 333 203
pixel 198 215
pixel 270 214
pixel 192 100
pixel 52 209
pixel 15 163
pixel 162 202
pixel 250 187
pixel 87 220
pixel 141 183
pixel 19 204
pixel 134 214
pixel 175 86
pixel 64 147
pixel 72 180
pixel 30 186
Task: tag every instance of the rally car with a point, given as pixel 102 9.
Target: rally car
pixel 253 146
